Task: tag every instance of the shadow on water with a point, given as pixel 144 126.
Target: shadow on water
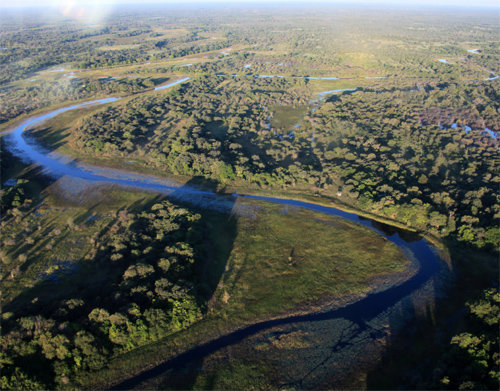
pixel 12 166
pixel 415 357
pixel 390 230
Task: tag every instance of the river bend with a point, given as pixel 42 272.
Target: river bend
pixel 359 313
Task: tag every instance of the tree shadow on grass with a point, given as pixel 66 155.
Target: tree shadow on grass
pixel 97 280
pixel 214 234
pixel 14 169
pixel 216 230
pixel 159 80
pixel 49 138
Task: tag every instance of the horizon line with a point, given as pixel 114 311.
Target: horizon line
pixel 398 3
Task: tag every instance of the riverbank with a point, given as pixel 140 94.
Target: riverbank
pixel 7 126
pixel 256 292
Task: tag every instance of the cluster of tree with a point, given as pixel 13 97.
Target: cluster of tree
pixel 473 359
pixel 436 176
pixel 99 58
pixel 307 42
pixel 21 52
pixel 352 46
pixel 66 42
pixel 13 196
pixel 212 128
pixel 17 100
pixel 150 290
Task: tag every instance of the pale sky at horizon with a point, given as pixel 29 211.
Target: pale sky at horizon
pixel 38 3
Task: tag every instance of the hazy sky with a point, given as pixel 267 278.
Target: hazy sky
pixel 470 3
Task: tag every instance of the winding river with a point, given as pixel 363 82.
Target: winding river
pixel 359 313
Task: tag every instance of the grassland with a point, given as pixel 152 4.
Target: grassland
pixel 284 257
pixel 286 117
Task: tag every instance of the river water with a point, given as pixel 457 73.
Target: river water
pixel 168 85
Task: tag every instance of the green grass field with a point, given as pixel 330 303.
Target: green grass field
pixel 288 256
pixel 286 117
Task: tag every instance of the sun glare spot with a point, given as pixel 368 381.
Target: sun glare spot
pixel 85 12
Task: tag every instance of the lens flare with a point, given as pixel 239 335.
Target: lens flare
pixel 85 12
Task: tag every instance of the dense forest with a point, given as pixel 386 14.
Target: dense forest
pixel 473 359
